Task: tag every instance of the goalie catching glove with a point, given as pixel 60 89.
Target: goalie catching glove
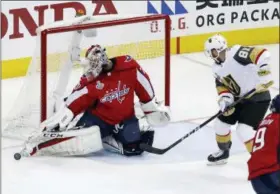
pixel 156 113
pixel 59 121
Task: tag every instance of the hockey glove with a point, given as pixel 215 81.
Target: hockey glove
pixel 225 100
pixel 263 87
pixel 59 121
pixel 156 113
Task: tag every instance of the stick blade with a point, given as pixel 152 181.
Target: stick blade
pixel 151 149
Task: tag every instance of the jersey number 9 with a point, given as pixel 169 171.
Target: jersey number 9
pixel 259 140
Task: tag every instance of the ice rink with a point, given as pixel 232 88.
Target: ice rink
pixel 182 170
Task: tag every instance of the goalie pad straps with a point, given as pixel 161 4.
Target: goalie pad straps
pixel 69 143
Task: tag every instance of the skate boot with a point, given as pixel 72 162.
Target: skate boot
pixel 220 157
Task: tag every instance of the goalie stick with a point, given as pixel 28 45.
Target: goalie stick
pixel 159 151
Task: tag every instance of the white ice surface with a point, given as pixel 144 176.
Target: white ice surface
pixel 182 170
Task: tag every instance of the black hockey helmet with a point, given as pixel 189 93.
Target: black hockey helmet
pixel 275 104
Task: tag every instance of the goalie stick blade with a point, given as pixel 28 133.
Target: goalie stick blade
pixel 151 149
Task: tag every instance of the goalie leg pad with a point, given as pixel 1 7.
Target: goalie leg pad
pixel 76 142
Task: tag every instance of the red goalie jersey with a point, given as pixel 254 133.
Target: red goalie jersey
pixel 264 157
pixel 111 95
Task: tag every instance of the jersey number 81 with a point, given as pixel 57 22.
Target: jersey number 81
pixel 244 52
pixel 243 55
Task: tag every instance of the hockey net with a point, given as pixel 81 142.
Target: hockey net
pixel 47 76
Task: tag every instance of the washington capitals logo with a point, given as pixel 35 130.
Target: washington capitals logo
pixel 119 94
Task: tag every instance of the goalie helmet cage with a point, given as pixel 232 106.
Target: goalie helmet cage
pixel 17 124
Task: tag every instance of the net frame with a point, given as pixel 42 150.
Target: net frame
pixel 44 32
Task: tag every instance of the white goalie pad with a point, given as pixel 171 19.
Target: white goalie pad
pixel 70 143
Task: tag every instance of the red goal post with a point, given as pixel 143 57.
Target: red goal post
pixel 44 36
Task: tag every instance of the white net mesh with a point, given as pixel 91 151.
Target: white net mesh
pixel 128 39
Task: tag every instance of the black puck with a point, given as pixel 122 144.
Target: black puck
pixel 17 156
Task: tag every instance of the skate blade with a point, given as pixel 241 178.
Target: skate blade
pixel 220 162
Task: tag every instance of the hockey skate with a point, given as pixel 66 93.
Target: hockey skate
pixel 218 158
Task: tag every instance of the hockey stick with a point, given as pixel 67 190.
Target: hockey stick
pixel 154 150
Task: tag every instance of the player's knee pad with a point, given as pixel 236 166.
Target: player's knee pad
pixel 223 134
pixel 246 134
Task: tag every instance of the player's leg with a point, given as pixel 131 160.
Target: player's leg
pixel 250 116
pixel 223 137
pixel 87 138
pixel 88 120
pixel 127 137
pixel 267 184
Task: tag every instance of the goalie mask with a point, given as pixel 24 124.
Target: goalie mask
pixel 214 46
pixel 96 59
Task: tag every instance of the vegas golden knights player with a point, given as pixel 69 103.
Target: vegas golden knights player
pixel 237 70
